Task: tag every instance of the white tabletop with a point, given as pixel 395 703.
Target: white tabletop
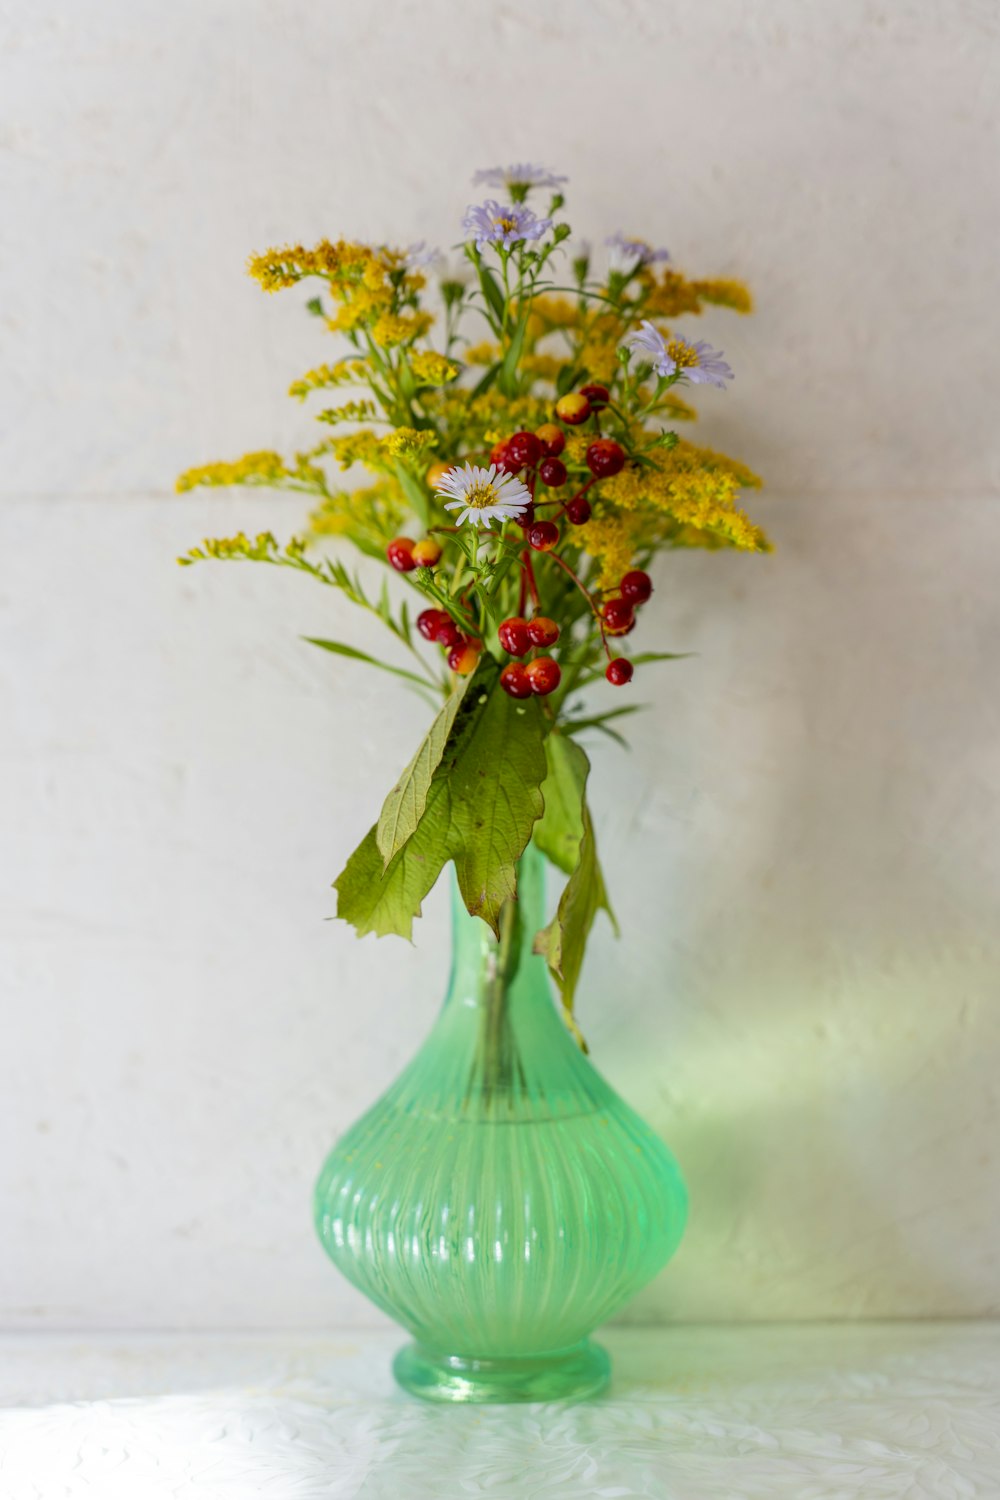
pixel 811 1412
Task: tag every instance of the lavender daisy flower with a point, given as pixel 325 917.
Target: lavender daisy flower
pixel 518 178
pixel 483 495
pixel 628 254
pixel 421 254
pixel 698 363
pixel 493 223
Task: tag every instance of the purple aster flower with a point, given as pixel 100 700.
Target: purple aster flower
pixel 699 363
pixel 493 223
pixel 628 254
pixel 520 177
pixel 421 254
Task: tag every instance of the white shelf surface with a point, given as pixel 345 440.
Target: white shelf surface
pixel 814 1412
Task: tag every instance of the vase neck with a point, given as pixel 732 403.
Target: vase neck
pixel 484 967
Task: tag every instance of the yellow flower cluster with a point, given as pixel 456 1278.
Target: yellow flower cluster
pixel 432 368
pixel 342 262
pixel 264 548
pixel 344 372
pixel 485 353
pixel 670 294
pixel 350 411
pixel 687 497
pixel 382 453
pixel 542 366
pixel 390 328
pixel 375 513
pixel 264 468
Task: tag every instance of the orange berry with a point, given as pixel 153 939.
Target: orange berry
pixel 553 438
pixel 436 473
pixel 463 658
pixel 426 552
pixel 574 408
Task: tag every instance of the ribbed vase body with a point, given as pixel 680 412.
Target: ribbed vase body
pixel 500 1200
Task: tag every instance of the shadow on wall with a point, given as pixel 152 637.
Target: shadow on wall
pixel 826 943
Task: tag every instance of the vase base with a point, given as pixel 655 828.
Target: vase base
pixel 576 1373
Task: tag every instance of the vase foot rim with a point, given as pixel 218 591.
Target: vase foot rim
pixel 566 1374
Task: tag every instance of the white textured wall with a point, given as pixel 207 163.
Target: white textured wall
pixel 803 844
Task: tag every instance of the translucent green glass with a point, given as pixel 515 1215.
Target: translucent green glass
pixel 500 1200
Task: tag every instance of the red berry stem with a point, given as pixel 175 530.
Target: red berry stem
pixel 530 573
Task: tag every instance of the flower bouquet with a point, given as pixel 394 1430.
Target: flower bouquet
pixel 517 410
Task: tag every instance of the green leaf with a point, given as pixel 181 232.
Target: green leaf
pixel 405 804
pixel 382 901
pixel 563 943
pixel 415 492
pixel 340 649
pixel 491 291
pixel 567 378
pixel 508 369
pixel 483 385
pixel 560 828
pixel 599 721
pixel 494 781
pixel 480 805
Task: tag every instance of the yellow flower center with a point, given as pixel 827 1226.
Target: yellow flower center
pixel 505 223
pixel 480 494
pixel 682 354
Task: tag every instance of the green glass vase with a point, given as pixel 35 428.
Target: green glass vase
pixel 500 1200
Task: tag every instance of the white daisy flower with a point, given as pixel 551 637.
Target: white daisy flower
pixel 483 495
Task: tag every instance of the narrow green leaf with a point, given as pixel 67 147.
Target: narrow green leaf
pixel 491 291
pixel 483 385
pixel 415 492
pixel 511 359
pixel 340 649
pixel 598 721
pixel 568 378
pixel 404 806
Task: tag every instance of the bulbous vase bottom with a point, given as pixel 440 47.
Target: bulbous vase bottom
pixel 576 1373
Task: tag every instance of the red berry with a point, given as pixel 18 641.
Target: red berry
pixel 619 671
pixel 636 586
pixel 543 674
pixel 574 408
pixel 430 621
pixel 448 634
pixel 605 457
pixel 597 395
pixel 525 448
pixel 543 631
pixel 526 517
pixel 619 616
pixel 400 554
pixel 543 536
pixel 515 636
pixel 501 456
pixel 553 438
pixel 514 680
pixel 552 471
pixel 578 510
pixel 463 658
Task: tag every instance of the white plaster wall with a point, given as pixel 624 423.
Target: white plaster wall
pixel 803 842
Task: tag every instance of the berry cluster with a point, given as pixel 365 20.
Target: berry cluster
pixel 405 554
pixel 463 650
pixel 542 674
pixel 536 457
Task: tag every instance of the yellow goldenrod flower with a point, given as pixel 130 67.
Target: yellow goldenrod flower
pixel 432 368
